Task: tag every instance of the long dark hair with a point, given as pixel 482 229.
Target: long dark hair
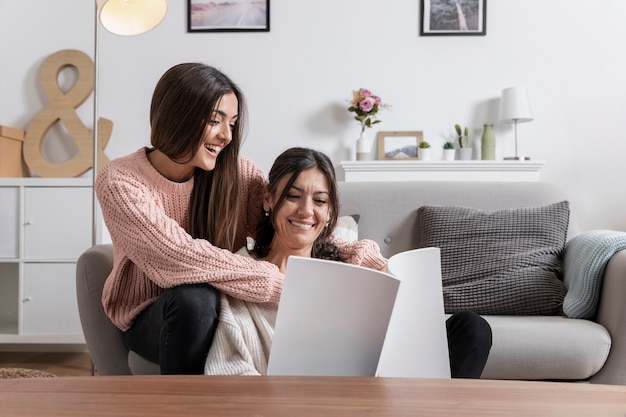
pixel 290 164
pixel 182 105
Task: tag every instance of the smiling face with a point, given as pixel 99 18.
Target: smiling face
pixel 302 215
pixel 218 133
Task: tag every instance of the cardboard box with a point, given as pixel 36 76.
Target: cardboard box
pixel 11 160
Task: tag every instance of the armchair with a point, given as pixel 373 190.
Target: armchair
pixel 104 340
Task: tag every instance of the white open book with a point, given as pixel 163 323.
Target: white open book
pixel 337 319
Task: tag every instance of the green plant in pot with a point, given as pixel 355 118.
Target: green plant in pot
pixel 465 149
pixel 448 151
pixel 423 151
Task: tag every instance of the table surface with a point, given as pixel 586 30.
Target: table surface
pixel 303 396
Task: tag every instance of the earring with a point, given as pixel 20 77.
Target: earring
pixel 267 214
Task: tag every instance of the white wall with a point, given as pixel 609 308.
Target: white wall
pixel 298 77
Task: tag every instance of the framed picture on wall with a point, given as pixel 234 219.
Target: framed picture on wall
pixel 228 15
pixel 398 145
pixel 453 17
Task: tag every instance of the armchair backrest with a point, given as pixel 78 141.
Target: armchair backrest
pixel 104 340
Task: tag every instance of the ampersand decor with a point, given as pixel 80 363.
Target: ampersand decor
pixel 61 108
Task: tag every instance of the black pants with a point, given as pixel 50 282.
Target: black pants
pixel 469 343
pixel 176 330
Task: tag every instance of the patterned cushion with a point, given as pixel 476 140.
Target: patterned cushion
pixel 502 262
pixel 585 259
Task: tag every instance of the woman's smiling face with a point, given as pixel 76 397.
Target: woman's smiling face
pixel 218 133
pixel 303 214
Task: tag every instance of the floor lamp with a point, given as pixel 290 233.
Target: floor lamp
pixel 125 18
pixel 515 108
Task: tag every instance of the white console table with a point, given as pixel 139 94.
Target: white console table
pixel 415 170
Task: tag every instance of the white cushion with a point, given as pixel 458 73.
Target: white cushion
pixel 347 228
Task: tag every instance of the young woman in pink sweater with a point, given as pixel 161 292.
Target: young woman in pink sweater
pixel 176 211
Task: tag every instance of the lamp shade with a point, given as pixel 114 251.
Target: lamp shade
pixel 131 17
pixel 514 106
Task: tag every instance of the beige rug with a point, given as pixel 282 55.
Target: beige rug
pixel 57 363
pixel 23 373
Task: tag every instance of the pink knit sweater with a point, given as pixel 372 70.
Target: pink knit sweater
pixel 148 219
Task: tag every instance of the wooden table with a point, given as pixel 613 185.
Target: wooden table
pixel 171 396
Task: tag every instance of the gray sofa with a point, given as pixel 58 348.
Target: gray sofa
pixel 524 347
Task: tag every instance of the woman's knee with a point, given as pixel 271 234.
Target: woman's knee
pixel 470 327
pixel 193 301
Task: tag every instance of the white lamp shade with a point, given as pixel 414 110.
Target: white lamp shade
pixel 131 17
pixel 514 106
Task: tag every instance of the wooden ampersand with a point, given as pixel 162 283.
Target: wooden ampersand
pixel 62 109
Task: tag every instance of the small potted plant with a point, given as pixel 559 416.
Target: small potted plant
pixel 465 148
pixel 448 151
pixel 423 151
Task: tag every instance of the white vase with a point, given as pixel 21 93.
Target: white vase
pixel 448 154
pixel 363 148
pixel 423 154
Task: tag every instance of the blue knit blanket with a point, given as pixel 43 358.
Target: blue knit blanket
pixel 584 261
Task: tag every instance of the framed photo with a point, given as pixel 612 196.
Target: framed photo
pixel 398 145
pixel 453 17
pixel 228 15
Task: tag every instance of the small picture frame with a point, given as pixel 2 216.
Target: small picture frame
pixel 453 17
pixel 228 16
pixel 398 145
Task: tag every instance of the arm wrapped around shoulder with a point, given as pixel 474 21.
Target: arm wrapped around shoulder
pixel 363 252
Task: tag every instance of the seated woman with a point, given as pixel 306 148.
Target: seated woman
pixel 301 209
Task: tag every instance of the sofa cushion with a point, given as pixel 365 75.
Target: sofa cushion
pixel 503 262
pixel 545 347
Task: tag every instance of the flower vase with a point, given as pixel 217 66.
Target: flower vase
pixel 363 148
pixel 488 143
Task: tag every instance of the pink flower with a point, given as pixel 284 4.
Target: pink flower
pixel 367 104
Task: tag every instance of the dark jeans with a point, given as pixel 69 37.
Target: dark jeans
pixel 469 343
pixel 176 330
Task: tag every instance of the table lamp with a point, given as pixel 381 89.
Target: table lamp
pixel 515 108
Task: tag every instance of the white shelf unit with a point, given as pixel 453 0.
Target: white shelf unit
pixel 415 170
pixel 45 224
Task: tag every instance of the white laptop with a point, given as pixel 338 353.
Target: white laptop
pixel 333 319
